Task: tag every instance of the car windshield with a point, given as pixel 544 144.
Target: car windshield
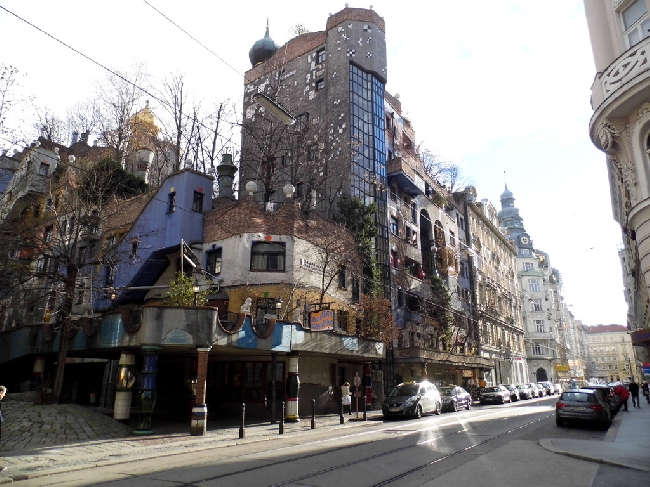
pixel 492 389
pixel 522 387
pixel 405 390
pixel 446 391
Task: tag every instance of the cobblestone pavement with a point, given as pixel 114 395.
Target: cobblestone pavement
pixel 40 440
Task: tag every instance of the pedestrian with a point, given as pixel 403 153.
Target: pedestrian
pixel 646 390
pixel 3 391
pixel 347 399
pixel 623 393
pixel 634 391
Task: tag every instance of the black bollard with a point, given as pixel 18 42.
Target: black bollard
pixel 282 420
pixel 341 419
pixel 242 422
pixel 313 414
pixel 365 418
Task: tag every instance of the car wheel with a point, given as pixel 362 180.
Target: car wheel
pixel 438 408
pixel 559 422
pixel 454 406
pixel 418 411
pixel 503 400
pixel 469 404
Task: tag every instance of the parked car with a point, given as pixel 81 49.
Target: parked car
pixel 454 398
pixel 514 392
pixel 524 391
pixel 612 399
pixel 582 405
pixel 536 391
pixel 548 387
pixel 412 399
pixel 496 394
pixel 558 388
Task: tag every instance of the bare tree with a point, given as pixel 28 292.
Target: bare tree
pixel 50 126
pixel 118 96
pixel 10 101
pixel 444 172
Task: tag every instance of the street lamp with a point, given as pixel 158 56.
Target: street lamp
pixel 278 307
pixel 196 288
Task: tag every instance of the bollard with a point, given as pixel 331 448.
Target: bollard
pixel 341 420
pixel 242 422
pixel 313 414
pixel 365 418
pixel 282 420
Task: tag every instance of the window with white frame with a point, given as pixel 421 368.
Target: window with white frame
pixel 533 285
pixel 529 266
pixel 539 326
pixel 536 304
pixel 537 349
pixel 636 24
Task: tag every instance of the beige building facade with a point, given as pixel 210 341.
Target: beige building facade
pixel 620 127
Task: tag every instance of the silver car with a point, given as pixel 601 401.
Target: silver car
pixel 412 399
pixel 495 394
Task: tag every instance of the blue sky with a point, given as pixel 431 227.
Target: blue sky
pixel 500 86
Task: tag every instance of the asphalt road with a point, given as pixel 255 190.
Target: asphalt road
pixel 486 446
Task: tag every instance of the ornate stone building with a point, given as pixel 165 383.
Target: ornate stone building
pixel 620 127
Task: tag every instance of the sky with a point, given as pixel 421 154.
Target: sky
pixel 501 88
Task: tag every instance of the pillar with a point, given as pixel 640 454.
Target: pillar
pixel 147 393
pixel 124 387
pixel 200 409
pixel 292 387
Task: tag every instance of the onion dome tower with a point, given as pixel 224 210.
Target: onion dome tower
pixel 263 49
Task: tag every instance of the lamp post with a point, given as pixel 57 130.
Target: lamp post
pixel 278 308
pixel 196 288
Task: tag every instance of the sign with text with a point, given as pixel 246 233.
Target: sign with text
pixel 322 320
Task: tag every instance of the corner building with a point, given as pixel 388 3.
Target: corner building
pixel 620 126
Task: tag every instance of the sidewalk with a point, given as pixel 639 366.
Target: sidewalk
pixel 627 443
pixel 45 440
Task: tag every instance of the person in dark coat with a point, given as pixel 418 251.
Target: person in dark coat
pixel 634 391
pixel 623 393
pixel 3 391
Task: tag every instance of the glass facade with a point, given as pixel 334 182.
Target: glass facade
pixel 368 148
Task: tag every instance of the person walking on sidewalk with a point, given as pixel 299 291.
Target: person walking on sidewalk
pixel 623 393
pixel 646 390
pixel 634 390
pixel 3 391
pixel 347 400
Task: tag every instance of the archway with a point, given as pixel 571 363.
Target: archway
pixel 541 374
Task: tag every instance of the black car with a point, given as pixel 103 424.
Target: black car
pixel 454 398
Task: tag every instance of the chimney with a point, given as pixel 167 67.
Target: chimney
pixel 84 137
pixel 75 137
pixel 226 174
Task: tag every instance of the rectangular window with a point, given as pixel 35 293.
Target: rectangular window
pixel 537 349
pixel 320 84
pixel 539 326
pixel 636 23
pixel 529 266
pixel 213 262
pixel 452 239
pixel 171 202
pixel 37 211
pixel 533 285
pixel 43 169
pixel 414 212
pixel 394 260
pixel 355 290
pixel 47 237
pixel 524 251
pixel 268 256
pixel 320 56
pixel 109 271
pixel 537 304
pixel 42 264
pixel 81 254
pixel 341 277
pixel 393 225
pixel 301 121
pixel 197 202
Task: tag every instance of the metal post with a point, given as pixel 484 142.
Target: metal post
pixel 341 419
pixel 365 418
pixel 242 430
pixel 282 420
pixel 274 366
pixel 313 414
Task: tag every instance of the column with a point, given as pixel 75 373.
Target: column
pixel 292 387
pixel 200 409
pixel 147 393
pixel 124 387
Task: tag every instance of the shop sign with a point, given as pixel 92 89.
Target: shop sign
pixel 467 373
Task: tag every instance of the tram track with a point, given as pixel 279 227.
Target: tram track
pixel 376 456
